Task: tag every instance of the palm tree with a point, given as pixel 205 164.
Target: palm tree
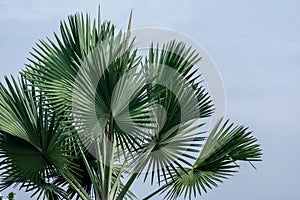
pixel 89 116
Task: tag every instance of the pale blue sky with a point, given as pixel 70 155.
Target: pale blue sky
pixel 255 44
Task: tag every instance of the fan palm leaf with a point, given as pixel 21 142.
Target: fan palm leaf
pixel 178 136
pixel 32 144
pixel 217 161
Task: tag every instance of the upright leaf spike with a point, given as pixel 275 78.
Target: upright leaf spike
pixel 99 21
pixel 129 24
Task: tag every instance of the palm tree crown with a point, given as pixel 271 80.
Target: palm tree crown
pixel 90 115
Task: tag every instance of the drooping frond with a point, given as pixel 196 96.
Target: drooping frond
pixel 32 141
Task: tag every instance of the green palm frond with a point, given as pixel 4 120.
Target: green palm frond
pixel 229 142
pixel 175 140
pixel 184 60
pixel 100 71
pixel 32 143
pixel 55 64
pixel 226 145
pixel 56 69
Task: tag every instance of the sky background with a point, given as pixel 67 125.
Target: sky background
pixel 255 44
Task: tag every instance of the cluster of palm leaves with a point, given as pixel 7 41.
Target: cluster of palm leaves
pixel 82 120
